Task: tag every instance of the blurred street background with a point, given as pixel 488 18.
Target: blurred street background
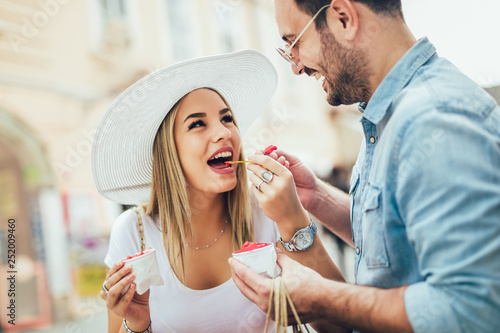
pixel 62 62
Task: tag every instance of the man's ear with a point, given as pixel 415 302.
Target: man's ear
pixel 343 18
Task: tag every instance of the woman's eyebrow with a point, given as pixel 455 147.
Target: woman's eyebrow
pixel 203 114
pixel 196 115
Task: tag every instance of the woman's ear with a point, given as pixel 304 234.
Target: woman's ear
pixel 344 19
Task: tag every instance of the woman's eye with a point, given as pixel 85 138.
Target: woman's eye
pixel 197 123
pixel 227 119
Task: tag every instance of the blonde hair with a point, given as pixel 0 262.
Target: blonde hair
pixel 169 200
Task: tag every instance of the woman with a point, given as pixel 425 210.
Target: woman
pixel 165 141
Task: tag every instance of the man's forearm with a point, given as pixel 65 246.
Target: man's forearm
pixel 362 308
pixel 332 207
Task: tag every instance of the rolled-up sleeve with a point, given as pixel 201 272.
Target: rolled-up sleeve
pixel 448 193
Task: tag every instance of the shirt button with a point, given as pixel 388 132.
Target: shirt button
pixel 372 139
pixel 358 251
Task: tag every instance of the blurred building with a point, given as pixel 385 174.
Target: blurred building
pixel 62 62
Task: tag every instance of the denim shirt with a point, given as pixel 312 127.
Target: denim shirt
pixel 425 195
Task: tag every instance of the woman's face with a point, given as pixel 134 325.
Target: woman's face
pixel 206 137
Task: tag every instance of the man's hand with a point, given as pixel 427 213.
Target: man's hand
pixel 303 285
pixel 305 180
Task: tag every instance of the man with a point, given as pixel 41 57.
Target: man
pixel 424 208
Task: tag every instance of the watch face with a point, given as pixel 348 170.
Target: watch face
pixel 303 240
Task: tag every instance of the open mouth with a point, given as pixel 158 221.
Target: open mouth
pixel 218 161
pixel 320 78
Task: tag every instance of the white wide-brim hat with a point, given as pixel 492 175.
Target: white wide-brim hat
pixel 122 151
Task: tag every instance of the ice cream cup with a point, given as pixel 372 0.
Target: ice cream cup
pixel 261 260
pixel 145 268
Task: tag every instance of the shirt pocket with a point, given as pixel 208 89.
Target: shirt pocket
pixel 374 243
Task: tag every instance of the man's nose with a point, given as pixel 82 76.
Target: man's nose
pixel 299 69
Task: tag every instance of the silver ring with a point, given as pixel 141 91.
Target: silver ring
pixel 258 186
pixel 104 287
pixel 267 176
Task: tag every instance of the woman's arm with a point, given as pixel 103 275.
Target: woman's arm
pixel 114 322
pixel 130 306
pixel 279 200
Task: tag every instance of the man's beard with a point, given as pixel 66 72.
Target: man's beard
pixel 345 70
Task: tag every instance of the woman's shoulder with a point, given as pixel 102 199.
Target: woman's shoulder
pixel 127 220
pixel 125 238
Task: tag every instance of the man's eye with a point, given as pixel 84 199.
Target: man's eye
pixel 197 123
pixel 227 119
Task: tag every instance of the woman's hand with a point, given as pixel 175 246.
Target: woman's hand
pixel 134 308
pixel 278 197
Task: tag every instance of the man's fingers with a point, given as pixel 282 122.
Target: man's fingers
pixel 251 284
pixel 244 288
pixel 284 260
pixel 288 156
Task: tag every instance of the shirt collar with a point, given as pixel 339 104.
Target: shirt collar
pixel 397 79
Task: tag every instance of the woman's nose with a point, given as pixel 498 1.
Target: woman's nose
pixel 221 133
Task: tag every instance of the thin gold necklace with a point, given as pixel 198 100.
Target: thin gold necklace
pixel 215 240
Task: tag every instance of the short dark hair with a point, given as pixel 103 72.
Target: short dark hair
pixel 387 7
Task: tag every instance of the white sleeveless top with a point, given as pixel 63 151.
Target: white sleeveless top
pixel 177 308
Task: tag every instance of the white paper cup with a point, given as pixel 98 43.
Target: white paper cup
pixel 145 268
pixel 261 260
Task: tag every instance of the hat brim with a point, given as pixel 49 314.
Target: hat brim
pixel 122 151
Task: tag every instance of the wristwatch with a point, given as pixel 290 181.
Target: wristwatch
pixel 301 240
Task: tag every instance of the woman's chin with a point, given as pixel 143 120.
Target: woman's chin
pixel 219 186
pixel 228 187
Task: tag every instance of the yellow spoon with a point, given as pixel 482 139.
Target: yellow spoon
pixel 233 162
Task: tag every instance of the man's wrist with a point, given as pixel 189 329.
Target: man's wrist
pixel 329 294
pixel 317 190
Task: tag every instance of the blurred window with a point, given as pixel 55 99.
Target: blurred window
pixel 227 25
pixel 113 9
pixel 179 15
pixel 111 27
